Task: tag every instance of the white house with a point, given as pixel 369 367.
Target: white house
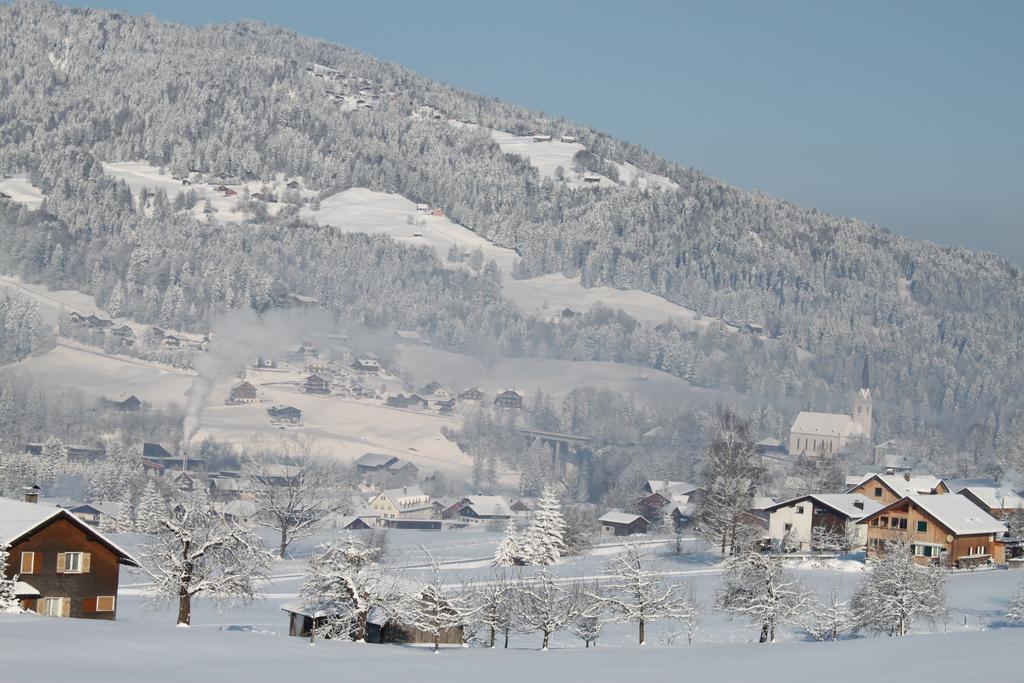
pixel 834 511
pixel 408 502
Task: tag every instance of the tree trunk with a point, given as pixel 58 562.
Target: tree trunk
pixel 764 633
pixel 493 636
pixel 547 636
pixel 437 641
pixel 184 607
pixel 506 640
pixel 284 541
pixel 642 639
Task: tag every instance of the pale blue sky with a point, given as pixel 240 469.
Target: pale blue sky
pixel 907 114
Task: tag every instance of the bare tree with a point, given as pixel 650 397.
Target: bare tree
pixel 546 606
pixel 295 499
pixel 435 608
pixel 344 580
pixel 1016 611
pixel 496 607
pixel 829 619
pixel 198 552
pixel 756 587
pixel 593 615
pixel 897 592
pixel 637 594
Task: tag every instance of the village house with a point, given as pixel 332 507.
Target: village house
pixel 619 523
pixel 94 514
pixel 315 384
pixel 368 463
pixel 130 404
pixel 888 488
pixel 481 508
pixel 408 502
pixel 366 366
pixel 124 332
pixel 243 392
pixel 76 453
pixel 895 455
pixel 509 399
pixel 837 513
pixel 946 530
pixel 302 300
pixel 65 567
pixel 410 402
pixel 285 415
pixel 828 433
pixel 473 394
pixel 998 501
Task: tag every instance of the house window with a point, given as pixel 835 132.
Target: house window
pixel 53 607
pixel 885 521
pixel 787 527
pixel 922 527
pixel 28 563
pixel 799 509
pixel 878 491
pixel 73 563
pixel 105 603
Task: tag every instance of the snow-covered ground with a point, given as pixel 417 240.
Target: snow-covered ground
pixel 250 643
pixel 51 301
pixel 20 190
pixel 425 364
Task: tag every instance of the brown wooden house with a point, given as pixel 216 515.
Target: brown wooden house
pixel 67 568
pixel 618 523
pixel 946 530
pixel 888 488
pixel 315 384
pixel 243 392
pixel 510 398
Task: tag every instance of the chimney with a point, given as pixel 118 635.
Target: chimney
pixel 906 476
pixel 859 504
pixel 31 493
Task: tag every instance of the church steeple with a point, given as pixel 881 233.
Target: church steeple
pixel 862 402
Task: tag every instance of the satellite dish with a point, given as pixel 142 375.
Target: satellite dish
pixel 949 539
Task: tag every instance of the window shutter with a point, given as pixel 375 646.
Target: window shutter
pixel 86 561
pixel 65 607
pixel 40 605
pixel 60 563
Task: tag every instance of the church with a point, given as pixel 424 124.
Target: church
pixel 827 433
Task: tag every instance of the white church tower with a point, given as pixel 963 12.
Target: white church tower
pixel 861 411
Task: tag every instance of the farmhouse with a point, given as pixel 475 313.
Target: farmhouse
pixel 473 394
pixel 408 502
pixel 315 384
pixel 76 453
pixel 131 404
pixel 483 508
pixel 412 401
pixel 366 366
pixel 68 568
pixel 619 523
pixel 510 398
pixel 242 393
pixel 998 501
pixel 285 415
pixel 888 488
pixel 948 530
pixel 836 513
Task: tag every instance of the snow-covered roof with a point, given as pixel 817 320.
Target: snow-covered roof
pixel 669 488
pixel 995 497
pixel 407 497
pixel 843 503
pixel 374 459
pixel 18 518
pixel 619 517
pixel 903 484
pixel 489 506
pixel 24 590
pixel 825 424
pixel 770 442
pixel 955 512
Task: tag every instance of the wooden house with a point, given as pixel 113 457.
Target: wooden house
pixel 473 394
pixel 315 384
pixel 888 488
pixel 481 508
pixel 510 399
pixel 244 392
pixel 408 502
pixel 619 523
pixel 285 415
pixel 410 402
pixel 366 366
pixel 946 530
pixel 68 568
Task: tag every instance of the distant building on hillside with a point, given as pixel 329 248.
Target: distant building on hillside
pixel 243 392
pixel 315 384
pixel 510 398
pixel 285 415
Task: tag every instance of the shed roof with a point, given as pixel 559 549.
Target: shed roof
pixel 620 517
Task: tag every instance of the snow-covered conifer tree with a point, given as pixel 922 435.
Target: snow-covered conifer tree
pixel 200 553
pixel 8 600
pixel 507 553
pixel 636 594
pixel 1016 611
pixel 126 512
pixel 755 587
pixel 543 543
pixel 896 592
pixel 152 508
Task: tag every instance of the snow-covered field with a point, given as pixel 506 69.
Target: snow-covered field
pixel 362 210
pixel 51 301
pixel 425 364
pixel 20 190
pixel 250 643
